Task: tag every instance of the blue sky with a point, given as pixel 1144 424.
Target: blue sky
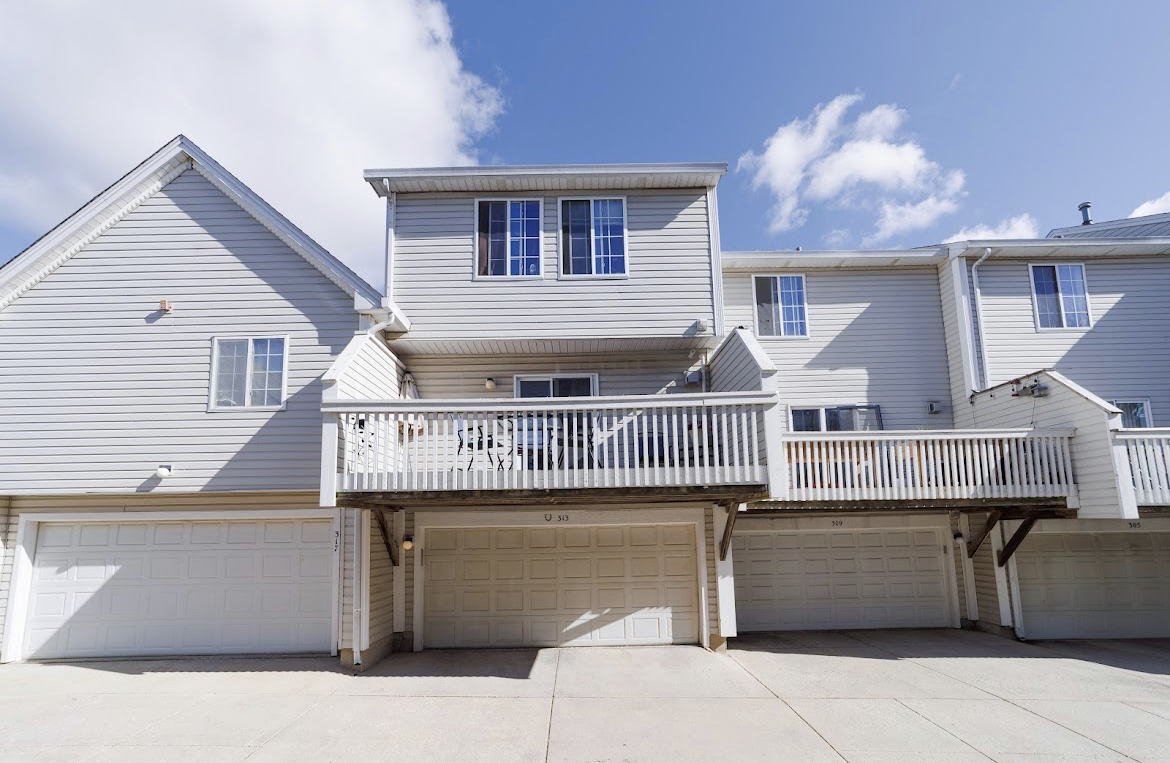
pixel 934 118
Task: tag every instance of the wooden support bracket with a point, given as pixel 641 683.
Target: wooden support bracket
pixel 973 545
pixel 1017 538
pixel 387 538
pixel 725 542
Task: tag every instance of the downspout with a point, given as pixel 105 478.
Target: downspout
pixel 983 365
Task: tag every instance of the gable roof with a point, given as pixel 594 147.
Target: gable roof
pixel 1147 226
pixel 56 247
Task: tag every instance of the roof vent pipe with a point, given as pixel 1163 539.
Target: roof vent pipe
pixel 1086 216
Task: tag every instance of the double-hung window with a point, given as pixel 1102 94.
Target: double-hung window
pixel 1135 414
pixel 1060 296
pixel 593 237
pixel 780 306
pixel 841 418
pixel 508 237
pixel 248 372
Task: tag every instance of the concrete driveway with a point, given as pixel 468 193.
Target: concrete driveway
pixel 871 696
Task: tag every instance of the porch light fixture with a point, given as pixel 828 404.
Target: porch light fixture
pixel 489 384
pixel 163 471
pixel 408 543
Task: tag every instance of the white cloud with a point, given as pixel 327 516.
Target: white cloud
pixel 295 98
pixel 1153 207
pixel 836 238
pixel 899 218
pixel 1020 226
pixel 865 164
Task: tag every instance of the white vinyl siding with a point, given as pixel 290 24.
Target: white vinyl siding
pixel 1123 356
pixel 875 337
pixel 97 387
pixel 463 377
pixel 668 290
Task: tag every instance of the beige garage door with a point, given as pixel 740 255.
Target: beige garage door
pixel 1095 585
pixel 812 580
pixel 125 589
pixel 560 586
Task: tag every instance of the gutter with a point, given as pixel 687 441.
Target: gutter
pixel 983 365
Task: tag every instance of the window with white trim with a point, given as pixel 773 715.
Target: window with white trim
pixel 1135 414
pixel 507 241
pixel 556 385
pixel 781 309
pixel 249 372
pixel 841 418
pixel 593 237
pixel 1060 296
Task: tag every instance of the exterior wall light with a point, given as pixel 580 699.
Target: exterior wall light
pixel 489 384
pixel 163 471
pixel 408 543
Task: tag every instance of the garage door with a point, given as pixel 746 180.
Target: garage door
pixel 560 586
pixel 159 588
pixel 1095 585
pixel 839 579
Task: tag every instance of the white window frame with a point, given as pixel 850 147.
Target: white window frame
pixel 593 382
pixel 807 311
pixel 1059 296
pixel 475 276
pixel 1143 401
pixel 592 238
pixel 247 406
pixel 823 419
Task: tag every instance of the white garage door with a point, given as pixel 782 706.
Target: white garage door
pixel 158 588
pixel 560 586
pixel 1095 585
pixel 811 580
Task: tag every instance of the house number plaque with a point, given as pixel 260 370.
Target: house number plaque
pixel 556 517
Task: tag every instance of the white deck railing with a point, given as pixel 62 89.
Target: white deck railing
pixel 597 442
pixel 958 464
pixel 1148 451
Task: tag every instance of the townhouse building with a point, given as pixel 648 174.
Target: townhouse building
pixel 570 420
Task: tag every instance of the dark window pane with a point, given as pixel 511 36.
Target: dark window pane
pixel 577 258
pixel 806 420
pixel 535 388
pixel 766 307
pixel 1047 297
pixel 573 387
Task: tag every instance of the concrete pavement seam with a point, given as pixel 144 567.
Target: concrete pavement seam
pixel 552 700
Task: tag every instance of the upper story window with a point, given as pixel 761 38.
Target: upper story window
pixel 593 237
pixel 507 237
pixel 556 385
pixel 248 372
pixel 1135 414
pixel 780 306
pixel 1060 296
pixel 841 418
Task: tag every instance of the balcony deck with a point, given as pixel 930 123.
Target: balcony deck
pixel 1148 454
pixel 672 446
pixel 928 470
